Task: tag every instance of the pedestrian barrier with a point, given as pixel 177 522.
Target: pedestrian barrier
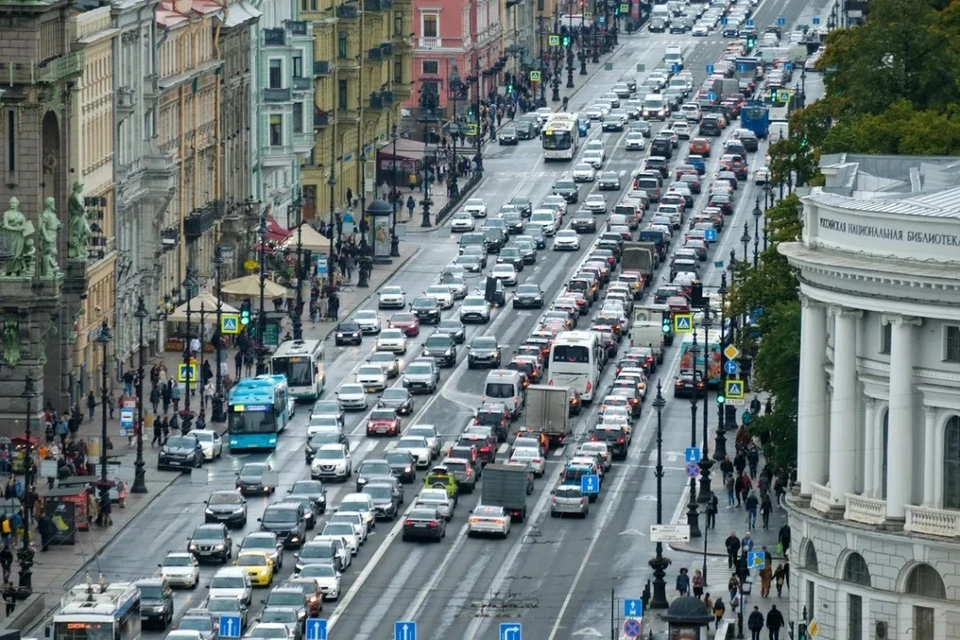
pixel 725 629
pixel 26 613
pixel 452 205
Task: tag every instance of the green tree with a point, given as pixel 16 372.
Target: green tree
pixel 899 130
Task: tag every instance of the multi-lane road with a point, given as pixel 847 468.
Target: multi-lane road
pixel 555 576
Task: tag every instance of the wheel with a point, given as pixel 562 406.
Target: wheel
pixel 554 514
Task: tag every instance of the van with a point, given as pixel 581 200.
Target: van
pixel 674 56
pixel 650 185
pixel 655 108
pixel 231 582
pixel 505 386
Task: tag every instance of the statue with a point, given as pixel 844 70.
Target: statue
pixel 11 341
pixel 17 240
pixel 79 239
pixel 49 226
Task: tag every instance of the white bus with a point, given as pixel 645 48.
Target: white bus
pixel 560 137
pixel 575 362
pixel 93 611
pixel 301 361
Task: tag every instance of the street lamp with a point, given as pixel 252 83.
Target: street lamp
pixel 25 554
pixel 720 444
pixel 705 462
pixel 262 312
pixel 298 303
pixel 659 563
pixel 218 262
pixel 104 338
pixel 139 474
pixel 693 517
pixel 540 55
pixel 428 156
pixel 189 284
pixel 745 239
pixel 582 54
pixel 478 158
pixel 453 189
pixel 757 213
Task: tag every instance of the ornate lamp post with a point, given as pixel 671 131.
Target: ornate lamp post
pixel 455 89
pixel 261 310
pixel 331 259
pixel 104 338
pixel 428 156
pixel 705 462
pixel 478 158
pixel 659 563
pixel 25 554
pixel 720 444
pixel 139 474
pixel 745 239
pixel 218 262
pixel 298 303
pixel 693 517
pixel 582 53
pixel 189 284
pixel 757 214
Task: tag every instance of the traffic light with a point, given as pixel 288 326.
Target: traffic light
pixel 721 398
pixel 667 325
pixel 751 41
pixel 245 313
pixel 803 142
pixel 566 41
pixel 773 96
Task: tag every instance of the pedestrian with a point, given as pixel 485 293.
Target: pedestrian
pixel 755 406
pixel 753 459
pixel 175 395
pixel 157 431
pixel 349 197
pixel 774 622
pixel 751 504
pixel 746 545
pixel 128 380
pixel 732 544
pixel 738 488
pixel 93 509
pixel 712 506
pixel 6 562
pixel 755 623
pixel 683 582
pixel 697 583
pixel 745 486
pixel 165 431
pixel 155 398
pixel 730 486
pixel 411 205
pixel 718 610
pixel 238 366
pixel 733 587
pixel 778 579
pixel 766 578
pixel 768 407
pixel 766 508
pixel 165 396
pixel 208 391
pixel 47 529
pixel 726 467
pixel 786 571
pixel 91 404
pixel 740 460
pixel 122 494
pixel 783 538
pixel 334 307
pixel 9 597
pixel 707 602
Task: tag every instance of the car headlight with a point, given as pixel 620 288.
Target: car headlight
pixel 208 512
pixel 219 547
pixel 193 546
pixel 238 511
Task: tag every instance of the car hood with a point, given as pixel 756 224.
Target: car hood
pixel 177 450
pixel 280 526
pixel 393 404
pixel 483 352
pixel 224 508
pixel 251 479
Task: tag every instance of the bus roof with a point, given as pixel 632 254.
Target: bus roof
pixel 561 122
pixel 258 390
pixel 99 599
pixel 298 348
pixel 575 337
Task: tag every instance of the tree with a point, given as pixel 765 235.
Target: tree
pixel 898 130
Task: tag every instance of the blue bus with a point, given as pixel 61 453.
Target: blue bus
pixel 258 411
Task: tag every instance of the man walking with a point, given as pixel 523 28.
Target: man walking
pixel 732 543
pixel 774 622
pixel 755 623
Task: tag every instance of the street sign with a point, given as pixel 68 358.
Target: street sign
pixel 230 323
pixel 511 631
pixel 632 628
pixel 624 9
pixel 471 128
pixel 734 389
pixel 710 235
pixel 553 41
pixel 184 369
pixel 692 454
pixel 781 21
pixel 590 483
pixel 683 323
pixel 723 21
pixel 731 368
pixel 755 560
pixel 534 76
pixel 731 352
pixel 742 68
pixel 709 69
pixel 748 22
pixel 711 96
pixel 692 470
pixel 632 608
pixel 669 533
pixel 788 66
pixel 736 403
pixel 404 630
pixel 316 629
pixel 126 418
pixel 230 627
pixel 783 95
pixel 675 68
pixel 813 628
pixel 816 21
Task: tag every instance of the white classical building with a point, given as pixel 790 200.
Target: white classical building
pixel 876 526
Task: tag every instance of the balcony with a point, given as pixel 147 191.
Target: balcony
pixel 386 49
pixel 322 67
pixel 348 12
pixel 388 98
pixel 375 54
pixel 202 220
pixel 170 237
pixel 377 5
pixel 376 101
pixel 430 43
pixel 274 37
pixel 297 27
pixel 277 95
pixel 126 102
pixel 932 522
pixel 820 498
pixel 302 84
pixel 321 119
pixel 348 115
pixel 865 510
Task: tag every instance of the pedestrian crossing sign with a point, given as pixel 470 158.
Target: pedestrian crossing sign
pixel 624 8
pixel 683 323
pixel 553 40
pixel 471 128
pixel 534 76
pixel 183 370
pixel 230 324
pixel 755 560
pixel 735 389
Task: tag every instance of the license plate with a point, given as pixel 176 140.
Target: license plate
pixel 173 463
pixel 370 389
pixel 421 526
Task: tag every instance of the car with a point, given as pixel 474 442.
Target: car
pixel 369 321
pixel 608 181
pixel 532 457
pixel 484 351
pixel 353 396
pixel 477 207
pixel 387 361
pixel 508 135
pixel 700 146
pixel 326 577
pixel 441 348
pixel 331 551
pixel 593 158
pixel 259 567
pixel 286 597
pixel 211 542
pixel 568 498
pixel 421 376
pixel 256 478
pixel 475 309
pixel 426 309
pixel 392 341
pixel 360 503
pixel 332 461
pixel 488 520
pixel 436 499
pixel 523 205
pixel 441 293
pixel 506 273
pixel 273 631
pixel 423 523
pixel 180 569
pixel 403 465
pixel 371 377
pixel 210 442
pixel 387 498
pixel 228 507
pixel 328 408
pixel 511 256
pixel 635 141
pixel 231 582
pixel 419 447
pixel 455 283
pixel 566 240
pixel 682 130
pixel 584 172
pixel 391 298
pixel 567 189
pixel 398 399
pixel 312 489
pixel 180 452
pixel 288 521
pixel 761 175
pixel 527 296
pixel 264 542
pixel 371 469
pixel 383 421
pixel 525 130
pixel 595 203
pixel 453 328
pixel 219 607
pixel 348 332
pixel 186 634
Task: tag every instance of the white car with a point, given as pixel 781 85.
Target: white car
pixel 352 396
pixel 369 320
pixel 455 283
pixel 391 298
pixel 356 519
pixel 180 570
pixel 701 30
pixel 594 448
pixel 635 141
pixel 419 447
pixel 476 207
pixel 272 630
pixel 372 377
pixel 437 499
pixel 682 129
pixel 343 530
pixel 489 520
pixel 594 158
pixel 210 442
pixel 231 582
pixel 761 175
pixel 506 273
pixel 566 240
pixel 362 503
pixel 429 432
pixel 392 340
pixel 532 457
pixel 326 577
pixel 583 172
pixel 184 634
pixel 462 221
pixel 441 293
pixel 547 218
pixel 595 203
pixel 475 309
pixel 596 145
pixel 331 462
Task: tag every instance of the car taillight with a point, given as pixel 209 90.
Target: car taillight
pixel 550 383
pixel 408 523
pixel 537 461
pixel 620 440
pixel 476 421
pixel 589 386
pixel 593 438
pixel 554 500
pixel 582 501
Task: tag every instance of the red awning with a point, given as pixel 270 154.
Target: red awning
pixel 276 233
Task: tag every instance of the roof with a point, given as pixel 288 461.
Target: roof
pixel 172 13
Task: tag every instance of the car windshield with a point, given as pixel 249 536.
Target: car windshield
pixel 391 291
pixel 449 325
pixel 338 529
pixel 262 631
pixel 351 390
pixel 383 414
pixel 526 454
pixel 375 467
pixel 195 623
pixel 411 442
pixel 370 371
pixel 181 443
pixel 398 457
pixel 383 357
pixel 438 342
pixel 487 512
pixel 473 301
pixel 177 561
pixel 395 395
pixel 403 317
pixel 455 465
pixel 318 551
pixel 205 533
pixel 378 491
pixel 326 406
pixel 251 560
pixel 227 497
pixel 330 454
pixel 527 289
pixel 259 542
pixel 150 592
pixel 438 290
pixel 318 571
pixel 222 605
pixel 280 515
pixel 483 343
pixel 228 582
pixel 421 369
pixel 284 599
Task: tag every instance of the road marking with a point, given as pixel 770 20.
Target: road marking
pixel 437 575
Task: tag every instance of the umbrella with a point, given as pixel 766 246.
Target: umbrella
pixel 310 240
pixel 209 303
pixel 249 287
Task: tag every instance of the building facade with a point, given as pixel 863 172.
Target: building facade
pixel 877 520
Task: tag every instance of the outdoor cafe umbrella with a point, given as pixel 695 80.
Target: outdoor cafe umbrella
pixel 209 303
pixel 249 287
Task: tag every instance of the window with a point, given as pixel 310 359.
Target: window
pixel 298 66
pixel 430 67
pixel 951 464
pixel 429 25
pixel 398 69
pixel 276 74
pixel 886 336
pixel 924 581
pixel 810 562
pixel 923 623
pixel 398 23
pixel 855 621
pixel 341 44
pixel 298 117
pixel 276 131
pixel 856 571
pixel 342 94
pixel 12 141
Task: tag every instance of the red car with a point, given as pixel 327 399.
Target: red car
pixel 406 322
pixel 383 422
pixel 484 439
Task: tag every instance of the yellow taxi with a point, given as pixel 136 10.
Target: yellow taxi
pixel 258 566
pixel 440 478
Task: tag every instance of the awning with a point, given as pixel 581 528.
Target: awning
pixel 310 240
pixel 275 232
pixel 209 303
pixel 249 287
pixel 406 148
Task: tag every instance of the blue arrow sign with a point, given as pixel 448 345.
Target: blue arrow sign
pixel 675 68
pixel 781 22
pixel 511 631
pixel 404 630
pixel 710 235
pixel 712 97
pixel 692 454
pixel 709 69
pixel 723 21
pixel 316 629
pixel 692 470
pixel 756 560
pixel 632 628
pixel 742 68
pixel 749 22
pixel 730 367
pixel 632 608
pixel 590 483
pixel 231 627
pixel 788 66
pixel 816 21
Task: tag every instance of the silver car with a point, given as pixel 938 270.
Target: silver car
pixel 569 499
pixel 439 500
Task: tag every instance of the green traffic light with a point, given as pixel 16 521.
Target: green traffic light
pixel 666 326
pixel 721 399
pixel 245 318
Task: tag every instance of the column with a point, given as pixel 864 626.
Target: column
pixel 811 412
pixel 870 446
pixel 900 435
pixel 929 457
pixel 843 406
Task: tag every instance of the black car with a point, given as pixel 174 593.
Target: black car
pixel 398 399
pixel 156 602
pixel 348 332
pixel 614 436
pixel 211 542
pixel 530 296
pixel 403 465
pixel 284 597
pixel 386 499
pixel 309 514
pixel 426 309
pixel 689 384
pixel 454 328
pixel 228 507
pixel 424 524
pixel 661 147
pixel 317 440
pixel 511 256
pixel 180 452
pixel 525 130
pixel 250 479
pixel 288 521
pixel 608 181
pixel 523 205
pixel 657 25
pixel 568 190
pixel 314 490
pixel 441 348
pixel 370 470
pixel 710 126
pixel 494 239
pixel 483 351
pixel 496 416
pixel 509 135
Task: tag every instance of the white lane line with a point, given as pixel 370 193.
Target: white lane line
pixel 377 607
pixel 437 575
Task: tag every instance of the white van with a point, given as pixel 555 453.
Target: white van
pixel 506 386
pixel 674 56
pixel 655 107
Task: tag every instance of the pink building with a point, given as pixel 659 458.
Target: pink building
pixel 454 33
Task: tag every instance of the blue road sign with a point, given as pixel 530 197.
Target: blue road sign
pixel 730 367
pixel 632 608
pixel 712 97
pixel 788 66
pixel 742 68
pixel 756 560
pixel 749 22
pixel 758 312
pixel 692 470
pixel 709 69
pixel 675 68
pixel 710 235
pixel 781 21
pixel 632 628
pixel 816 21
pixel 230 627
pixel 692 454
pixel 404 630
pixel 723 21
pixel 590 483
pixel 316 629
pixel 511 631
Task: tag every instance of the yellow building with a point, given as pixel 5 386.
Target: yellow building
pixel 91 164
pixel 363 69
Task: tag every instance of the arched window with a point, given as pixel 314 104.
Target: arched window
pixel 924 581
pixel 883 467
pixel 810 562
pixel 856 571
pixel 951 464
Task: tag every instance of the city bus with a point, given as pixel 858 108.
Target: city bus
pixel 258 410
pixel 99 611
pixel 560 137
pixel 714 357
pixel 301 362
pixel 575 362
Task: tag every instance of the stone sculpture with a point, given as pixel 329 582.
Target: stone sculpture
pixel 17 241
pixel 78 242
pixel 11 341
pixel 49 225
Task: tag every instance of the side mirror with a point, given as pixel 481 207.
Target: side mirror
pixel 259 519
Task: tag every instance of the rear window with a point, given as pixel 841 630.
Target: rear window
pixel 500 390
pixel 648 183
